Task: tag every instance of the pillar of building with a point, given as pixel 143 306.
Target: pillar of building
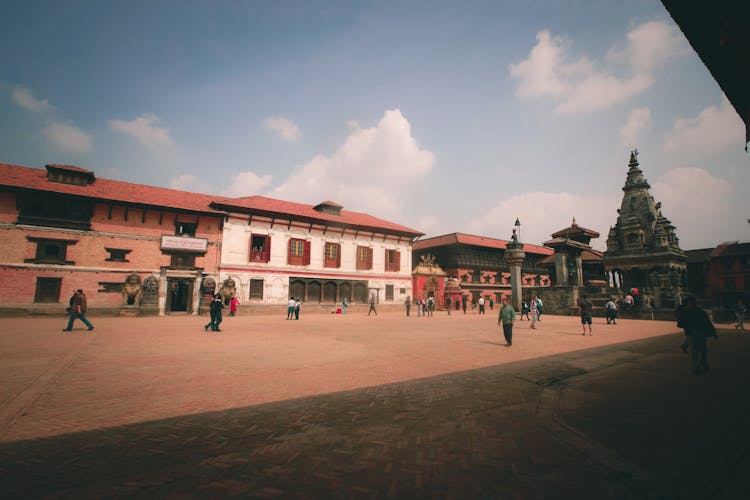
pixel 561 268
pixel 579 269
pixel 197 293
pixel 163 292
pixel 514 256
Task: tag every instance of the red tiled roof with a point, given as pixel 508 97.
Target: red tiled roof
pixel 106 189
pixel 273 207
pixel 731 249
pixel 480 241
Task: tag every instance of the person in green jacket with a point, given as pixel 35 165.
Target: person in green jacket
pixel 506 318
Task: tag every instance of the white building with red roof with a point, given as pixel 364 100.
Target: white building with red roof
pixel 273 250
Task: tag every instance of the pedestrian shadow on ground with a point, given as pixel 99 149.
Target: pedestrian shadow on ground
pixel 493 343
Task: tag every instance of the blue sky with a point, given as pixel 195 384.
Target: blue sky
pixel 444 116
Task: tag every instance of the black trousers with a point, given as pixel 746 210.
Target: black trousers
pixel 508 332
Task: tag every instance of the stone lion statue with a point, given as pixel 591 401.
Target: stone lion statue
pixel 131 290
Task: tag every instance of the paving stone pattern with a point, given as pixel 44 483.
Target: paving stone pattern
pixel 459 416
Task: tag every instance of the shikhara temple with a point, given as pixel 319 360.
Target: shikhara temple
pixel 146 250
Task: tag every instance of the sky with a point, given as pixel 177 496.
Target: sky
pixel 442 116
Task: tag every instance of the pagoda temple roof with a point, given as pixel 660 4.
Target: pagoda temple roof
pixel 573 230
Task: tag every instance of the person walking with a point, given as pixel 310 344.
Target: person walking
pixel 473 305
pixel 448 304
pixel 372 305
pixel 739 312
pixel 464 300
pixel 78 308
pixel 539 308
pixel 481 305
pixel 430 306
pixel 291 308
pixel 345 304
pixel 697 326
pixel 525 310
pixel 492 303
pixel 407 304
pixel 611 312
pixel 297 304
pixel 534 313
pixel 233 306
pixel 420 307
pixel 505 319
pixel 214 309
pixel 587 311
pixel 627 303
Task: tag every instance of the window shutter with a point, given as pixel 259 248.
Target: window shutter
pixel 306 256
pixel 289 252
pixel 268 248
pixel 397 257
pixel 250 248
pixel 338 254
pixel 369 258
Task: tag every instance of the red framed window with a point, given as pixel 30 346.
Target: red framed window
pixel 298 253
pixel 332 256
pixel 392 260
pixel 260 248
pixel 364 258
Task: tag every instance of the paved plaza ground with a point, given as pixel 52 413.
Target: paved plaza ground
pixel 371 407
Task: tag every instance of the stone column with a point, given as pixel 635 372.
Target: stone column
pixel 514 256
pixel 561 269
pixel 197 293
pixel 579 269
pixel 163 292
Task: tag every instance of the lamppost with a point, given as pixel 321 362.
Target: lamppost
pixel 518 228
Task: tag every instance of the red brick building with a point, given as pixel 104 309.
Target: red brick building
pixel 133 247
pixel 727 274
pixel 477 262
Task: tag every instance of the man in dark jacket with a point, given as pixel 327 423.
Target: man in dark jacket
pixel 78 307
pixel 697 327
pixel 215 312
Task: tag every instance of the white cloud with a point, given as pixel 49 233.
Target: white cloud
pixel 247 184
pixel 639 122
pixel 714 129
pixel 287 129
pixel 699 206
pixel 24 97
pixel 582 86
pixel 372 171
pixel 68 137
pixel 145 130
pixel 186 182
pixel 543 213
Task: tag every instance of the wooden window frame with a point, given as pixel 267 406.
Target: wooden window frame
pixel 294 257
pixel 332 255
pixel 51 300
pixel 262 254
pixel 250 286
pixel 364 264
pixel 392 260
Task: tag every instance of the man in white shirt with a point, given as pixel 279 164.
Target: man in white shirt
pixel 481 305
pixel 291 308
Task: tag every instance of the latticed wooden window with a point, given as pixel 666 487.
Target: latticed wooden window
pixel 332 255
pixel 256 289
pixel 297 248
pixel 299 252
pixel 364 258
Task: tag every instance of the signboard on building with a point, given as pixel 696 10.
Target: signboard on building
pixel 181 244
